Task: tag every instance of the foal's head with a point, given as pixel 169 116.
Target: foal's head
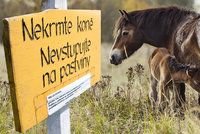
pixel 128 39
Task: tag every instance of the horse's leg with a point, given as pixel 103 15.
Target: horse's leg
pixel 176 89
pixel 167 95
pixel 162 102
pixel 153 92
pixel 178 100
pixel 178 97
pixel 182 92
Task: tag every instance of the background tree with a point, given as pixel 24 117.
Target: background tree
pixel 130 5
pixel 13 8
pixel 109 9
pixel 109 12
pixel 183 3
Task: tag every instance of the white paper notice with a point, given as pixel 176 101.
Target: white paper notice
pixel 59 99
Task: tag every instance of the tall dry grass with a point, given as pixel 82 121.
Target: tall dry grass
pixel 117 104
pixel 126 109
pixel 3 70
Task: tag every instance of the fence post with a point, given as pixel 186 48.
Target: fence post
pixel 51 4
pixel 59 122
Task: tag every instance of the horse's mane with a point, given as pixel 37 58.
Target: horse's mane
pixel 169 16
pixel 176 66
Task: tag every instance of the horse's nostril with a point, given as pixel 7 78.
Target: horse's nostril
pixel 115 58
pixel 112 57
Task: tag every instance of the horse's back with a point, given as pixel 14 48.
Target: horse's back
pixel 159 53
pixel 157 58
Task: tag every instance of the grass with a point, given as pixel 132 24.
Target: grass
pixel 3 70
pixel 118 104
pixel 126 109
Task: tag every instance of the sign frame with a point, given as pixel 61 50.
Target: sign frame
pixel 9 47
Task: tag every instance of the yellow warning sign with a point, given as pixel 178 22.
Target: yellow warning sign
pixel 45 52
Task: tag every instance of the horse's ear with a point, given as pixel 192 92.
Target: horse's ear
pixel 122 14
pixel 126 16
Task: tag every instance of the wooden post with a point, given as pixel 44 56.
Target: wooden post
pixel 51 4
pixel 59 122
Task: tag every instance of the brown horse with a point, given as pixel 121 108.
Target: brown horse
pixel 173 28
pixel 167 71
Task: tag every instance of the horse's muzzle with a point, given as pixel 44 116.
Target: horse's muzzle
pixel 115 59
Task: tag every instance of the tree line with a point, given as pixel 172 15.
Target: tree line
pixel 109 9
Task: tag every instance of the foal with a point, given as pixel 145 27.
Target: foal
pixel 167 71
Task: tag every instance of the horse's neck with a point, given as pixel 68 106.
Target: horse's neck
pixel 180 76
pixel 178 70
pixel 157 37
pixel 161 34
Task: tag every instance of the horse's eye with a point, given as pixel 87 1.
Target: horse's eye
pixel 124 33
